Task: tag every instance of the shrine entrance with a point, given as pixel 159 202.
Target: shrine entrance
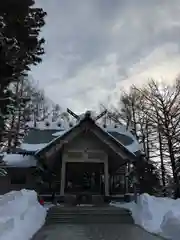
pixel 84 172
pixel 84 177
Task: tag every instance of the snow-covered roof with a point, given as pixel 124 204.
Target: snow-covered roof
pixel 118 133
pixel 18 160
pixel 32 147
pixel 59 133
pixel 48 124
pixel 44 134
pixel 124 136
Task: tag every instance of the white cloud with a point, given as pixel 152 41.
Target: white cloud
pixel 96 47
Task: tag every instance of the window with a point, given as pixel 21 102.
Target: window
pixel 18 178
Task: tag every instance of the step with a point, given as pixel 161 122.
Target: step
pixel 88 220
pixel 105 214
pixel 89 210
pixel 88 215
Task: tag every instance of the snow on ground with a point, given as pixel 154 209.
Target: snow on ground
pixel 18 160
pixel 156 215
pixel 49 205
pixel 21 215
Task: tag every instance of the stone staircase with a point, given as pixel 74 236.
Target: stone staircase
pixel 87 214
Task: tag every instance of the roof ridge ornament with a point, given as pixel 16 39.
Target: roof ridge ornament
pixel 87 114
pixel 73 114
pixel 101 115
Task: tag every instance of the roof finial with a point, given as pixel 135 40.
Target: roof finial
pixel 88 114
pixel 73 114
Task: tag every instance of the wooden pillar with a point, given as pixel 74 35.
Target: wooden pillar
pixel 106 177
pixel 126 180
pixel 63 175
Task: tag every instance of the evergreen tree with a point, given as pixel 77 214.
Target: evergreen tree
pixel 145 175
pixel 20 47
pixel 148 177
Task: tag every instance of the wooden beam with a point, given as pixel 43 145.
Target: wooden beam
pixel 73 114
pixel 81 160
pixel 101 115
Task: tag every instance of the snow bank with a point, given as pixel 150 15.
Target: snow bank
pixel 156 215
pixel 171 225
pixel 21 215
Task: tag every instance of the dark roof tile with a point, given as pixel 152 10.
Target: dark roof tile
pixel 122 138
pixel 36 136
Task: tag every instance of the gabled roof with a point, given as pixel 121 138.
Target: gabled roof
pixel 87 119
pixel 42 137
pixel 40 140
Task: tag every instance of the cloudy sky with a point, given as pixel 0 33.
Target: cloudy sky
pixel 94 48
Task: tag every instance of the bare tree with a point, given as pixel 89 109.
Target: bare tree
pixel 56 112
pixel 165 112
pixel 30 104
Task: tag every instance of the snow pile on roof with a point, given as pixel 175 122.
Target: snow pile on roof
pixel 156 215
pixel 32 147
pixel 135 146
pixel 57 134
pixel 48 124
pixel 21 215
pixel 18 160
pixel 63 125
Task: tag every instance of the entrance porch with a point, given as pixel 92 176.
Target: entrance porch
pixel 84 175
pixel 91 176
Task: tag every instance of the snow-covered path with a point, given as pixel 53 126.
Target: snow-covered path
pixel 93 231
